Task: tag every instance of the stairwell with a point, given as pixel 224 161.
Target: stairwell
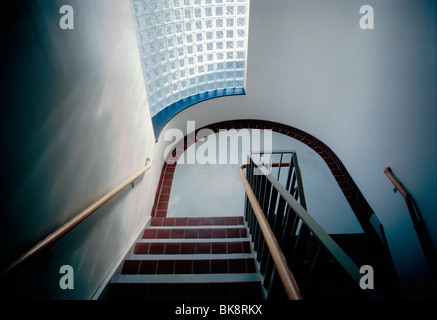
pixel 191 258
pixel 213 258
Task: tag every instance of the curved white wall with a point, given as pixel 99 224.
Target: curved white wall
pixel 75 124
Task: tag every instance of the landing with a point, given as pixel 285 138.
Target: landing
pixel 206 190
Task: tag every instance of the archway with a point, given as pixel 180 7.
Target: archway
pixel 353 195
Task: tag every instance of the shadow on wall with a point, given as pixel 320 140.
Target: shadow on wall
pixel 74 125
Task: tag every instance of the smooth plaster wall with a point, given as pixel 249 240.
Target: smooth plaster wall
pixel 370 95
pixel 75 124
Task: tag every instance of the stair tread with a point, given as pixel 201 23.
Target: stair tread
pixel 182 291
pixel 192 240
pixel 195 247
pixel 189 256
pixel 198 227
pixel 188 278
pixel 212 255
pixel 194 233
pixel 196 221
pixel 188 266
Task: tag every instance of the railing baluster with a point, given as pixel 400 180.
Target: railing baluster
pixel 267 196
pixel 298 251
pixel 279 221
pixel 271 212
pixel 290 172
pixel 262 186
pixel 270 218
pixel 256 182
pixel 247 206
pixel 293 183
pixel 263 258
pixel 299 182
pixel 268 272
pixel 274 290
pixel 286 227
pixel 312 267
pixel 267 204
pixel 296 194
pixel 278 224
pixel 294 221
pixel 258 241
pixel 252 219
pixel 279 167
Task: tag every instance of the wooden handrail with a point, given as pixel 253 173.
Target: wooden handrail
pixel 396 183
pixel 407 198
pixel 67 227
pixel 421 231
pixel 284 272
pixel 276 164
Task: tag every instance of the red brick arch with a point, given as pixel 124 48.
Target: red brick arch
pixel 353 195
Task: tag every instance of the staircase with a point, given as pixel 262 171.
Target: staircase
pixel 199 258
pixel 218 258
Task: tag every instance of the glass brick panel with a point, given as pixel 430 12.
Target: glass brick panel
pixel 188 47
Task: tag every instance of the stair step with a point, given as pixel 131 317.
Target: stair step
pixel 187 266
pixel 188 240
pixel 180 291
pixel 188 278
pixel 197 221
pixel 189 256
pixel 185 256
pixel 198 247
pixel 194 233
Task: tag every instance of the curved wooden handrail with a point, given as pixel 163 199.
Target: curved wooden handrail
pixel 67 227
pixel 407 198
pixel 284 272
pixel 421 231
pixel 396 183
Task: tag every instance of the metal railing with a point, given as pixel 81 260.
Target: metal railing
pixel 304 245
pixel 287 278
pixel 71 224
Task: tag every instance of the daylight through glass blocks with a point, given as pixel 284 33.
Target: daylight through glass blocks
pixel 191 48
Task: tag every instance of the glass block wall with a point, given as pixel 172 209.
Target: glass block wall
pixel 191 50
